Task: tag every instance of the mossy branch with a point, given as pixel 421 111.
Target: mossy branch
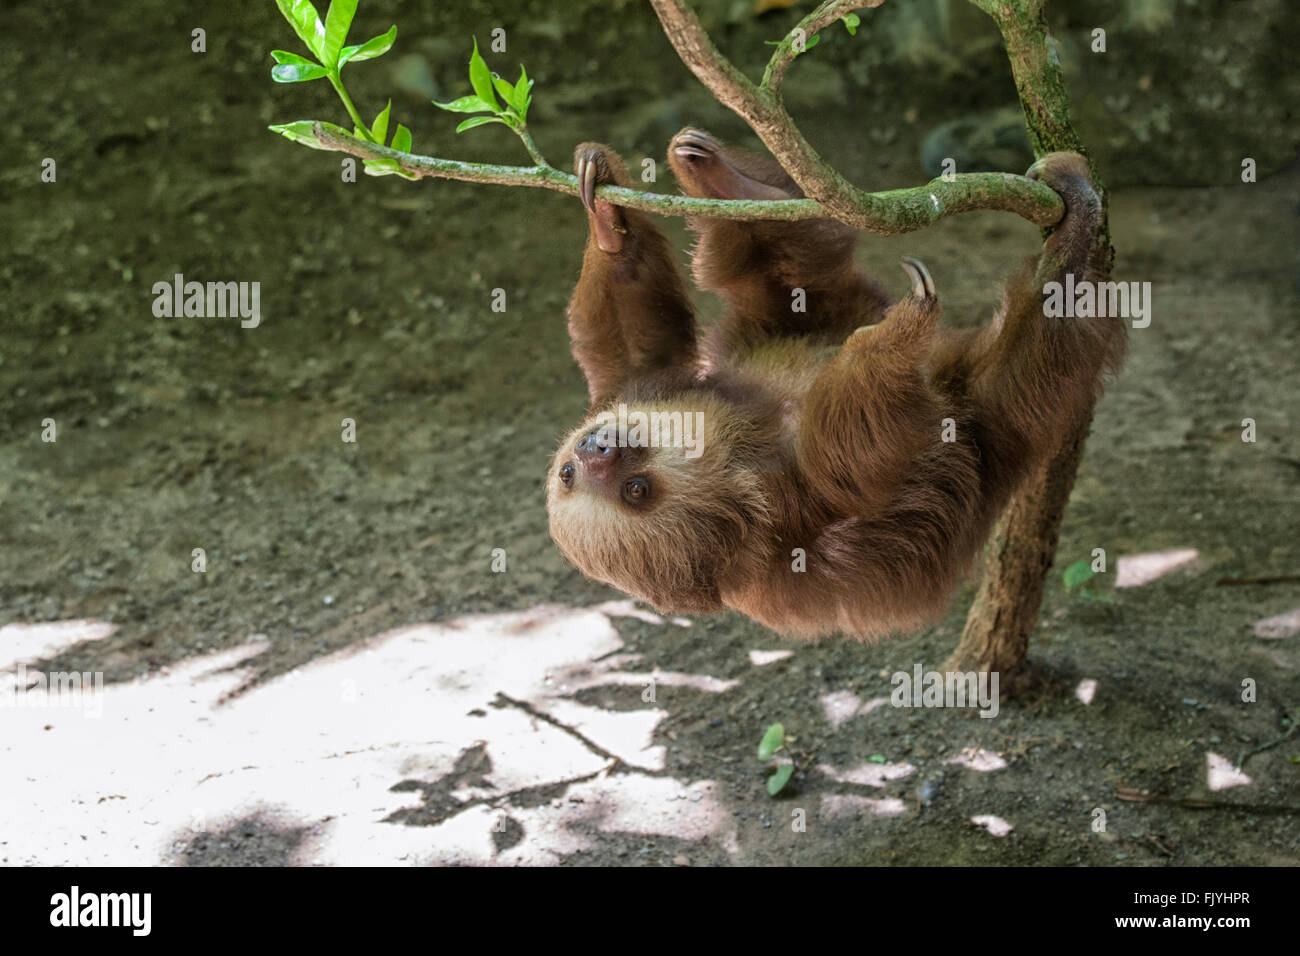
pixel 1006 606
pixel 786 50
pixel 892 212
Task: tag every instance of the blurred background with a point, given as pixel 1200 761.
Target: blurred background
pixel 176 434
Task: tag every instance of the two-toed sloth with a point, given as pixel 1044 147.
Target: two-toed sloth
pixel 852 455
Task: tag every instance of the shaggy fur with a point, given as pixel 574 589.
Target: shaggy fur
pixel 823 497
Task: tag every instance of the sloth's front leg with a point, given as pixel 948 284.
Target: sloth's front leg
pixel 629 316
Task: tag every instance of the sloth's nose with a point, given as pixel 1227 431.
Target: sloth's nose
pixel 597 453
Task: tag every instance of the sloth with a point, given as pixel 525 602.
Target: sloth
pixel 849 455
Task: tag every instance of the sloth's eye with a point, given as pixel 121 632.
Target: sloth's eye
pixel 566 474
pixel 637 490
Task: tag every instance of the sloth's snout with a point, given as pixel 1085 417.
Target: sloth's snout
pixel 597 453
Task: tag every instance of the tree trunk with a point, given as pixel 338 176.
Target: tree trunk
pixel 996 636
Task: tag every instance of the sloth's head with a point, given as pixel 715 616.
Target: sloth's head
pixel 657 499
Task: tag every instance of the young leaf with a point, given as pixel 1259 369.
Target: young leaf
pixel 480 78
pixel 377 46
pixel 1076 574
pixel 851 23
pixel 284 56
pixel 379 128
pixel 776 783
pixel 466 104
pixel 298 72
pixel 523 93
pixel 302 132
pixel 382 167
pixel 812 42
pixel 479 121
pixel 771 742
pixel 304 19
pixel 506 90
pixel 402 139
pixel 337 21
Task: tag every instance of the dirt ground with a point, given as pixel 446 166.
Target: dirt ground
pixel 504 716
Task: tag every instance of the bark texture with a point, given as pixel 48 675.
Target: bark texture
pixel 1021 553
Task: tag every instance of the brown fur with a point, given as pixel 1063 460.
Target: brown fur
pixel 821 429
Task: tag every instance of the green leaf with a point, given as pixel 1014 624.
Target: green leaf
pixel 851 23
pixel 298 72
pixel 506 90
pixel 337 22
pixel 284 56
pixel 776 783
pixel 372 48
pixel 379 128
pixel 479 121
pixel 480 78
pixel 812 42
pixel 772 740
pixel 303 132
pixel 876 758
pixel 466 104
pixel 523 93
pixel 382 167
pixel 402 139
pixel 1076 574
pixel 304 19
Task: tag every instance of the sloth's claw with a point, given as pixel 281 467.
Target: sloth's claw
pixel 587 182
pixel 922 283
pixel 703 168
pixel 605 219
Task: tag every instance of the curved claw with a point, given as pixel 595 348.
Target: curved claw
pixel 605 219
pixel 695 142
pixel 922 283
pixel 704 167
pixel 587 183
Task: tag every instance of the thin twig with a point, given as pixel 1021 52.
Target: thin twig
pixel 1263 579
pixel 1268 745
pixel 894 211
pixel 785 54
pixel 1199 803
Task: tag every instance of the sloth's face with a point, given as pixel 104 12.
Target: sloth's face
pixel 647 499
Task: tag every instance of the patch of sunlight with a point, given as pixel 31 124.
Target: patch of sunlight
pixel 841 705
pixel 838 806
pixel 973 758
pixel 869 774
pixel 1133 570
pixel 995 825
pixel 1273 628
pixel 384 728
pixel 30 642
pixel 1086 690
pixel 1222 774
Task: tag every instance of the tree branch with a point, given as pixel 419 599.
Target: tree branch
pixel 893 212
pixel 1005 610
pixel 827 13
pixel 761 108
